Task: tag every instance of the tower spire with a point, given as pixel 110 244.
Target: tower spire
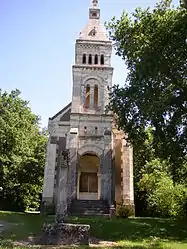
pixel 95 3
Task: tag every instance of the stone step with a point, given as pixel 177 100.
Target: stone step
pixel 89 207
pixel 89 203
pixel 90 210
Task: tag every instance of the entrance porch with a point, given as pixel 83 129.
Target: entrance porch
pixel 89 180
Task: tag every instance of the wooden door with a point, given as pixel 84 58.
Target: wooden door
pixel 93 183
pixel 88 182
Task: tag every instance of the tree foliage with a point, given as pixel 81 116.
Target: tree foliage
pixel 22 153
pixel 163 197
pixel 153 43
pixel 183 4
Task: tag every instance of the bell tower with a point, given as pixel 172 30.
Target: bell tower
pixel 92 71
pixel 90 126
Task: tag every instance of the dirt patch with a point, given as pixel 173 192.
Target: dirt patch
pixel 94 242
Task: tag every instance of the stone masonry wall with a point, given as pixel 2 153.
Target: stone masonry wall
pixel 127 174
pixel 62 173
pixel 50 170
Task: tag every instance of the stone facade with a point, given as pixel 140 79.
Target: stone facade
pixel 83 131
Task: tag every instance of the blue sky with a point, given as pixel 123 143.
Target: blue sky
pixel 37 41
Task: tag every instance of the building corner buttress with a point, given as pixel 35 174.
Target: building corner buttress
pixel 127 175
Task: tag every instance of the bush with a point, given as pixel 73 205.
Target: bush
pixel 124 211
pixel 164 198
pixel 168 199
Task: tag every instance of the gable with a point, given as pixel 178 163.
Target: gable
pixel 63 115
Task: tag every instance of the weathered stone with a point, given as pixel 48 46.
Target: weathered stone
pixel 65 234
pixel 60 218
pixel 53 140
pixel 112 211
pixel 84 128
pixel 47 208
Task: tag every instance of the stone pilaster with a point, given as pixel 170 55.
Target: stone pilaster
pixel 83 94
pixel 48 189
pixel 63 163
pixel 72 170
pixel 127 174
pixel 72 176
pixel 92 97
pixel 113 177
pixel 106 171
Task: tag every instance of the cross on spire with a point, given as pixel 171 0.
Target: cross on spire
pixel 95 3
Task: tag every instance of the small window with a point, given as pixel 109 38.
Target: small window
pixel 90 59
pixel 85 130
pixel 102 59
pixel 87 97
pixel 96 129
pixel 96 59
pixel 84 59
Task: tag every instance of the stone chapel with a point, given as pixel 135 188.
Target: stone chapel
pixel 89 163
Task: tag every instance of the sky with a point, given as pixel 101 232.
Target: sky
pixel 37 48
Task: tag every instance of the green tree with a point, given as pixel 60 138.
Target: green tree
pixel 183 3
pixel 141 155
pixel 22 153
pixel 153 44
pixel 163 197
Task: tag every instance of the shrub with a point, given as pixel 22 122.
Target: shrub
pixel 168 199
pixel 124 211
pixel 164 198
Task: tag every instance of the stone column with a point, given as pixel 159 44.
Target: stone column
pixel 83 94
pixel 63 161
pixel 78 183
pixel 72 170
pixel 72 176
pixel 106 170
pixel 113 178
pixel 62 189
pixel 99 185
pixel 127 174
pixel 49 174
pixel 91 97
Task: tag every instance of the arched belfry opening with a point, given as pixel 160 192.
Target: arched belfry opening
pixel 96 59
pixel 102 60
pixel 84 59
pixel 88 187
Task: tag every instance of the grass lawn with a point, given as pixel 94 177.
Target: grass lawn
pixel 138 233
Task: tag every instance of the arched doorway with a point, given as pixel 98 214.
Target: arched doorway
pixel 88 184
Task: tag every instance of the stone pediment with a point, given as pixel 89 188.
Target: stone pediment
pixel 63 115
pixel 94 31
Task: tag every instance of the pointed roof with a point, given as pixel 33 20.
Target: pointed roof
pixel 64 114
pixel 94 30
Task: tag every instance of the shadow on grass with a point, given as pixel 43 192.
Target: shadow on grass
pixel 153 246
pixel 19 226
pixel 9 245
pixel 142 233
pixel 136 229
